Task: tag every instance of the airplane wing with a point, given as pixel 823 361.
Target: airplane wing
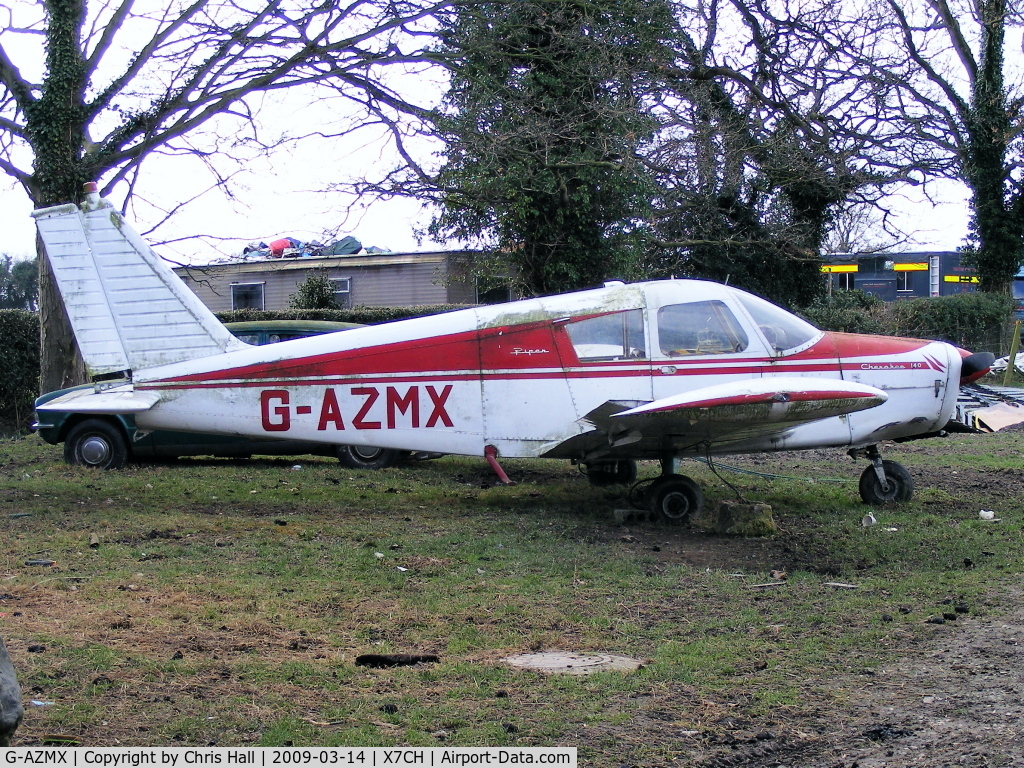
pixel 115 400
pixel 716 415
pixel 769 400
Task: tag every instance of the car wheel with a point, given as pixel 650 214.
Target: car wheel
pixel 366 457
pixel 675 499
pixel 96 443
pixel 899 485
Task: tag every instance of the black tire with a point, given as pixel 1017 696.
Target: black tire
pixel 605 473
pixel 365 457
pixel 96 443
pixel 675 499
pixel 899 485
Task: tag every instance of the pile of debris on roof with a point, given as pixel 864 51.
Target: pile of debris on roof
pixel 292 248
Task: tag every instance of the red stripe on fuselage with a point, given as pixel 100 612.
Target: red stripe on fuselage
pixel 457 352
pixel 535 351
pixel 849 345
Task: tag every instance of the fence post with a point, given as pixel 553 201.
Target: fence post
pixel 1011 361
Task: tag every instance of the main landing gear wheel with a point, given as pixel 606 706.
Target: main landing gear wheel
pixel 366 457
pixel 899 485
pixel 675 499
pixel 96 443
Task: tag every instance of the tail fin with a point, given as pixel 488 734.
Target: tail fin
pixel 129 311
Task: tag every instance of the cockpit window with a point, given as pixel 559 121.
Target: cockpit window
pixel 782 330
pixel 618 336
pixel 699 328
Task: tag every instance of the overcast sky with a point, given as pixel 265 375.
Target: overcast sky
pixel 279 199
pixel 282 199
pixel 277 203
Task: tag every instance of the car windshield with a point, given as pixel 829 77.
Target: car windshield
pixel 783 331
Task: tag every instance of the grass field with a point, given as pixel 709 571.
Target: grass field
pixel 215 602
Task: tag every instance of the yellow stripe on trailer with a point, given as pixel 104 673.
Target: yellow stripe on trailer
pixel 829 268
pixel 917 266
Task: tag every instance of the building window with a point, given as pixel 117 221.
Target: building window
pixel 247 296
pixel 904 281
pixel 843 281
pixel 342 291
pixel 495 295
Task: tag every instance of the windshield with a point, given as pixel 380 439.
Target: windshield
pixel 782 330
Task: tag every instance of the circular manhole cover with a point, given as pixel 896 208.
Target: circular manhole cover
pixel 560 662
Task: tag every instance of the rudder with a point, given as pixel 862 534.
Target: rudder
pixel 128 309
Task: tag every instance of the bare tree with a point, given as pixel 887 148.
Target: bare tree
pixel 964 97
pixel 771 131
pixel 862 229
pixel 122 80
pixel 537 139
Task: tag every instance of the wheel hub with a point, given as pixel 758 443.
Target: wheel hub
pixel 675 505
pixel 365 452
pixel 95 450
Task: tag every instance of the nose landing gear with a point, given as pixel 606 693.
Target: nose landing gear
pixel 674 499
pixel 884 482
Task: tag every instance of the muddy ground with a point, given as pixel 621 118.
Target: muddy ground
pixel 956 699
pixel 956 702
pixel 953 699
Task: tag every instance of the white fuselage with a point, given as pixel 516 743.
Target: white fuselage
pixel 523 376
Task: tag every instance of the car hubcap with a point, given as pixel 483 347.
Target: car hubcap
pixel 366 454
pixel 95 450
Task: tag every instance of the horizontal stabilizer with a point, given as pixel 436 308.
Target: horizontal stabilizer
pixel 120 400
pixel 770 400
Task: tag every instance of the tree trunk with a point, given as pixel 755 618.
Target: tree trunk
pixel 55 124
pixel 1000 227
pixel 60 363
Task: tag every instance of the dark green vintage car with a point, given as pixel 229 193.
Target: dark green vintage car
pixel 110 442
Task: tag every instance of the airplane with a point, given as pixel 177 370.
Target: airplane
pixel 656 370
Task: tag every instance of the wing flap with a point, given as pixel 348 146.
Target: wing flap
pixel 108 401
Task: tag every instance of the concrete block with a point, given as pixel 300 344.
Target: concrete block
pixel 740 518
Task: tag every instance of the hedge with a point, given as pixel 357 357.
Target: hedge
pixel 850 312
pixel 19 346
pixel 975 321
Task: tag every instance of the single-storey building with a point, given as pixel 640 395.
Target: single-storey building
pixel 367 280
pixel 892 276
